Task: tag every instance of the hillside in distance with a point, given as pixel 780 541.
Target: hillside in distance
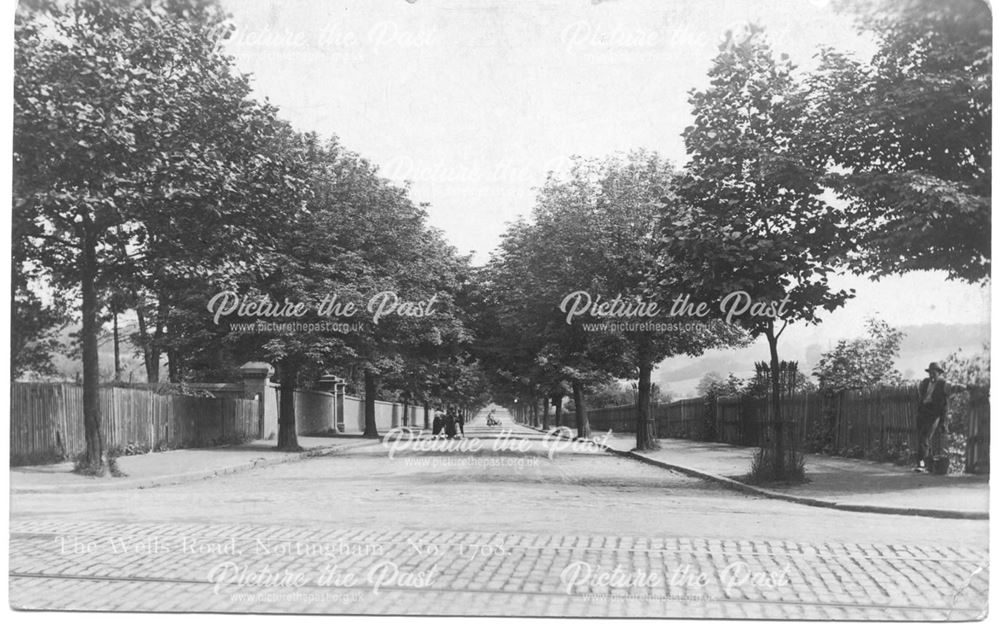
pixel 921 344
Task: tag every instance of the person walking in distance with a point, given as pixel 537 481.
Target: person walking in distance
pixel 932 412
pixel 450 423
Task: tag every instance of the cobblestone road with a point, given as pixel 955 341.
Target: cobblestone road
pixel 87 553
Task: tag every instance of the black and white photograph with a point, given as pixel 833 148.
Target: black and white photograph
pixel 658 309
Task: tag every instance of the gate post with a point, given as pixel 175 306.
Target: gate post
pixel 333 384
pixel 255 376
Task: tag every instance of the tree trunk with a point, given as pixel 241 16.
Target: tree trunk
pixel 287 437
pixel 143 339
pixel 150 353
pixel 371 428
pixel 406 413
pixel 778 425
pixel 156 345
pixel 582 424
pixel 174 365
pixel 94 459
pixel 153 366
pixel 558 400
pixel 545 413
pixel 645 424
pixel 427 416
pixel 118 356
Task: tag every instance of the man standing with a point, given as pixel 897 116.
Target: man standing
pixel 450 421
pixel 931 412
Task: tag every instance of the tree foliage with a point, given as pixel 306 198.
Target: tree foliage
pixel 969 370
pixel 862 363
pixel 754 220
pixel 125 119
pixel 907 136
pixel 712 384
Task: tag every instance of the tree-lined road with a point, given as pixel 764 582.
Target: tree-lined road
pixel 499 531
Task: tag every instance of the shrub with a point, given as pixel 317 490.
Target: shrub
pixel 955 450
pixel 762 468
pixel 865 362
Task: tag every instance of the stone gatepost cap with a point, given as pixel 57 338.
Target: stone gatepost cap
pixel 256 370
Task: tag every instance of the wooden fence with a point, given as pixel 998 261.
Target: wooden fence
pixel 864 420
pixel 46 420
pixel 679 419
pixel 875 423
pixel 682 419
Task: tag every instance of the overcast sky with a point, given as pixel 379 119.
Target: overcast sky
pixel 474 101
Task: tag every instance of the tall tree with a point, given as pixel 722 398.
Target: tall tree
pixel 754 227
pixel 101 92
pixel 528 276
pixel 594 240
pixel 385 234
pixel 438 363
pixel 635 199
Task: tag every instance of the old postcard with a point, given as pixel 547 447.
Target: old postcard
pixel 568 308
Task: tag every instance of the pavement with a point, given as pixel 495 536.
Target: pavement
pixel 175 467
pixel 834 482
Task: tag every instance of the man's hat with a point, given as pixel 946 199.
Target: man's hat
pixel 934 367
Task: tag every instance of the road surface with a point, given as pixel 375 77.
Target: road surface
pixel 502 523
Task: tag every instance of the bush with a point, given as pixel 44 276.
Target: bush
pixel 129 449
pixel 708 432
pixel 762 469
pixel 865 362
pixel 820 439
pixel 955 450
pixel 900 454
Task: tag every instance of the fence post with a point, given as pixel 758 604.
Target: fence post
pixel 970 441
pixel 881 428
pixel 222 418
pixel 977 432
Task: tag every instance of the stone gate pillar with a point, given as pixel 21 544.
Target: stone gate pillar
pixel 340 392
pixel 335 385
pixel 256 385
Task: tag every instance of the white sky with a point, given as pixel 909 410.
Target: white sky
pixel 474 101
